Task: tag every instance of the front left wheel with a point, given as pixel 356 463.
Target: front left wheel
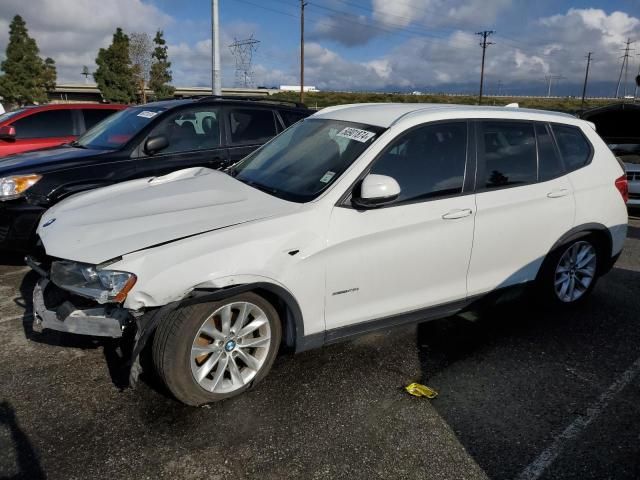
pixel 212 351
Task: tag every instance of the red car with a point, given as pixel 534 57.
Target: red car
pixel 31 128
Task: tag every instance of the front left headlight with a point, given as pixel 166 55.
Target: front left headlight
pixel 15 185
pixel 86 280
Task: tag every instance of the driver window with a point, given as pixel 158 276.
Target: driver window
pixel 191 130
pixel 428 162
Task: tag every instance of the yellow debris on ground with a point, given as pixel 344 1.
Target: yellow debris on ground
pixel 419 390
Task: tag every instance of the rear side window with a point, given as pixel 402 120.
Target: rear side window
pixel 50 123
pixel 549 163
pixel 289 118
pixel 574 147
pixel 250 125
pixel 428 162
pixel 509 153
pixel 95 115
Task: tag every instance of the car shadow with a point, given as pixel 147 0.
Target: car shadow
pixel 524 370
pixel 27 460
pixel 115 351
pixel 633 232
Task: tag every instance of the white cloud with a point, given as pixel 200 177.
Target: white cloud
pixel 72 31
pixel 445 13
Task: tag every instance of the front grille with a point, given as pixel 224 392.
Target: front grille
pixel 633 176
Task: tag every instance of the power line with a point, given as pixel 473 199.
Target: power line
pixel 484 44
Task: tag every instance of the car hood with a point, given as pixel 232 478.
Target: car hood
pixel 35 160
pixel 109 222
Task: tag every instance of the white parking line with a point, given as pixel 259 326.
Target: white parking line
pixel 14 272
pixel 537 468
pixel 16 317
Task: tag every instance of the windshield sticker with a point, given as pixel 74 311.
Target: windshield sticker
pixel 326 178
pixel 147 114
pixel 356 134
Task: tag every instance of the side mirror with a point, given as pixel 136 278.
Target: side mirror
pixel 155 144
pixel 376 190
pixel 8 132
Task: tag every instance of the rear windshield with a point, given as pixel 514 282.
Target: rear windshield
pixel 115 131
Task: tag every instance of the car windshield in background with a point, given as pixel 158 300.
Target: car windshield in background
pixel 8 115
pixel 116 130
pixel 305 159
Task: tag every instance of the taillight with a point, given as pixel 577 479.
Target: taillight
pixel 623 187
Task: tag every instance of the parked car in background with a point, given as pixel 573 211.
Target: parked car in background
pixel 32 128
pixel 619 126
pixel 141 141
pixel 358 218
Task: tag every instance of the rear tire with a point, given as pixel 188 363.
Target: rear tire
pixel 569 274
pixel 212 351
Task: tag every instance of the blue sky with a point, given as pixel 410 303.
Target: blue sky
pixel 402 45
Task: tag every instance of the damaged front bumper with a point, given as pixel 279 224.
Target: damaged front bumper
pixel 56 309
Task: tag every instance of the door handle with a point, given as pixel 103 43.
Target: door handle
pixel 457 213
pixel 562 192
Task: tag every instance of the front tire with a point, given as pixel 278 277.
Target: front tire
pixel 212 351
pixel 570 272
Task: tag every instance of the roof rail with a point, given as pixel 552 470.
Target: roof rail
pixel 265 98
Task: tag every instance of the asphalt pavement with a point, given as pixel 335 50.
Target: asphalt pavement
pixel 524 393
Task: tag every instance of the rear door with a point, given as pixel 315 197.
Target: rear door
pixel 44 129
pixel 524 203
pixel 249 128
pixel 195 139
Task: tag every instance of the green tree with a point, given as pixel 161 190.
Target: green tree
pixel 26 76
pixel 160 74
pixel 114 75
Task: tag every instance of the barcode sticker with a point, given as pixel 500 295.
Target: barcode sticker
pixel 147 114
pixel 356 134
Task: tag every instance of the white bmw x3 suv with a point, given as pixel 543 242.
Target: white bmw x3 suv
pixel 358 218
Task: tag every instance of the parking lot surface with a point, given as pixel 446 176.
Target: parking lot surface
pixel 523 393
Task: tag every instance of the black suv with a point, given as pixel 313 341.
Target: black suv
pixel 141 141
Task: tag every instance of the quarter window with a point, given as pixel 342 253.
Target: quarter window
pixel 575 149
pixel 289 118
pixel 509 153
pixel 250 125
pixel 50 123
pixel 549 164
pixel 428 162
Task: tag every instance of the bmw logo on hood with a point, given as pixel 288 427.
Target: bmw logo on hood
pixel 48 222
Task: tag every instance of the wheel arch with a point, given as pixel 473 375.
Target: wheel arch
pixel 597 230
pixel 283 301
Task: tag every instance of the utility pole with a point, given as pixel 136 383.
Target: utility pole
pixel 302 5
pixel 586 76
pixel 484 44
pixel 635 92
pixel 216 79
pixel 624 68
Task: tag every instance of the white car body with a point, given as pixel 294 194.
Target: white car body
pixel 202 229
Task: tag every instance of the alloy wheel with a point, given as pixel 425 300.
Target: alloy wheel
pixel 575 271
pixel 230 347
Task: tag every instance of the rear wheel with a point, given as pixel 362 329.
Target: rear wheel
pixel 571 271
pixel 212 351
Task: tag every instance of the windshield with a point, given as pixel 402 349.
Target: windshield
pixel 117 129
pixel 305 159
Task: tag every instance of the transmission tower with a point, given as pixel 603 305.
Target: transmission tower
pixel 242 51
